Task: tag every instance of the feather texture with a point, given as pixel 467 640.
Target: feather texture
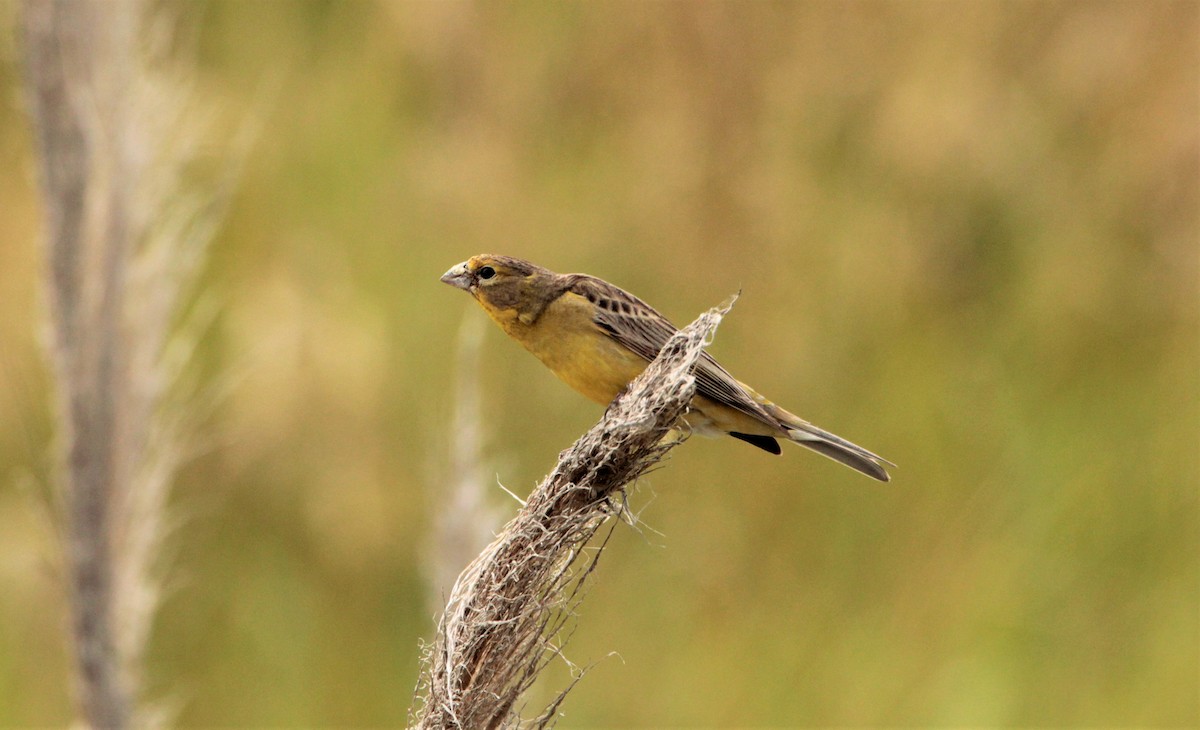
pixel 597 338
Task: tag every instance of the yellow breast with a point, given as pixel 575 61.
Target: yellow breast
pixel 567 341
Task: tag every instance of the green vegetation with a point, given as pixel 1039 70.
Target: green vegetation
pixel 966 236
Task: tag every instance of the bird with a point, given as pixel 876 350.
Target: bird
pixel 597 337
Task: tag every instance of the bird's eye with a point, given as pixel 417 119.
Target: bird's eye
pixel 486 272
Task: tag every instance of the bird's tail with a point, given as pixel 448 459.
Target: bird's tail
pixel 835 447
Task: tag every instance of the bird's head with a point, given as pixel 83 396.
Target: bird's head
pixel 503 282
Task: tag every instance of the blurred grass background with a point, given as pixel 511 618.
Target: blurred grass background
pixel 966 235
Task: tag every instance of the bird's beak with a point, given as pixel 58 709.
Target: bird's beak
pixel 459 276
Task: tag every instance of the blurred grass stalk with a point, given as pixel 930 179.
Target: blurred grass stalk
pixel 508 609
pixel 124 239
pixel 463 521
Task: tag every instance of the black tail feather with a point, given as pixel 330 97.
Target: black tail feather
pixel 766 443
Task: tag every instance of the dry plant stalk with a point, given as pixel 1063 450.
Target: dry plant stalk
pixel 508 606
pixel 464 519
pixel 125 236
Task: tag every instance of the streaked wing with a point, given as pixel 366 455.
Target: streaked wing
pixel 640 327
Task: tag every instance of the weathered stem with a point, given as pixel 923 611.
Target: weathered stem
pixel 500 623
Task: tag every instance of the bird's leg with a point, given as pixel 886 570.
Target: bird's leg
pixel 616 398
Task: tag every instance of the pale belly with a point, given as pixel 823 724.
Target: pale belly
pixel 596 367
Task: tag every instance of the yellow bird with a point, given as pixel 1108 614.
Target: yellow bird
pixel 597 338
